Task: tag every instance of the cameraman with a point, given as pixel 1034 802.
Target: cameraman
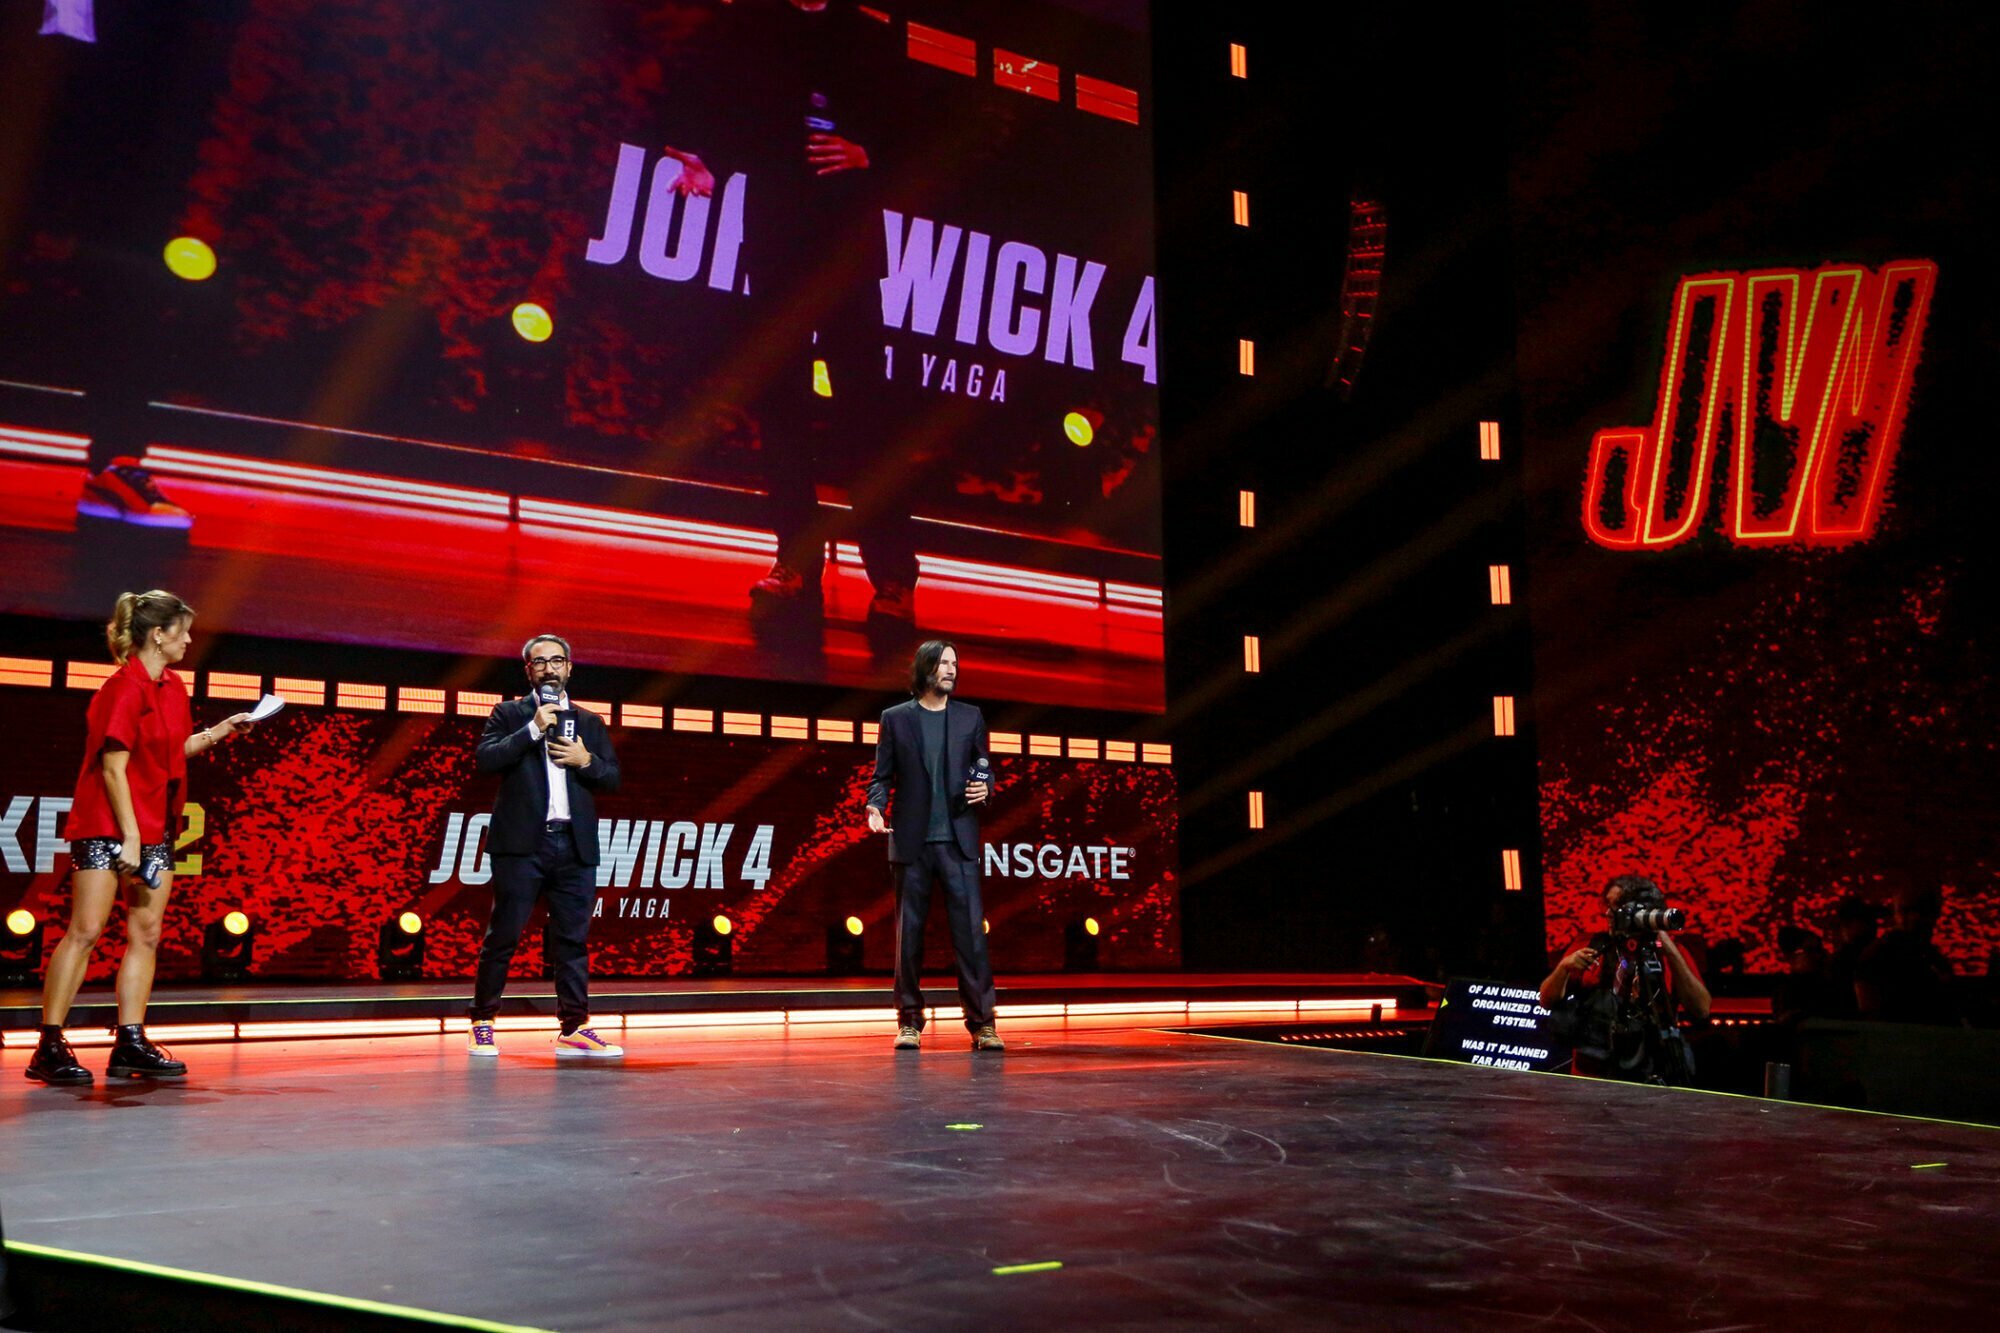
pixel 1599 1000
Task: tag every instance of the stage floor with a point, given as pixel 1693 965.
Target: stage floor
pixel 720 1181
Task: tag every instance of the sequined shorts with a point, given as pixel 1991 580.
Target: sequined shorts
pixel 102 854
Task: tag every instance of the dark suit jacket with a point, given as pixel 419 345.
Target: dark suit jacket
pixel 522 807
pixel 903 768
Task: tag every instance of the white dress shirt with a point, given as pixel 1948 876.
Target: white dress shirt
pixel 558 776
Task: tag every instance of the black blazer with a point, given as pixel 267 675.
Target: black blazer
pixel 902 768
pixel 522 807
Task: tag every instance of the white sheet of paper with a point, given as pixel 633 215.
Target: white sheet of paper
pixel 267 706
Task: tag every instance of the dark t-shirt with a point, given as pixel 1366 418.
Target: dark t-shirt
pixel 1592 988
pixel 932 722
pixel 1596 976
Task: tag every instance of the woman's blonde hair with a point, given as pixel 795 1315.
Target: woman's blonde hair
pixel 137 615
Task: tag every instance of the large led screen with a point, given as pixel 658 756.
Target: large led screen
pixel 1754 366
pixel 442 320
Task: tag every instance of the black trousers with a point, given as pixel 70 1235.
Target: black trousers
pixel 570 888
pixel 803 440
pixel 941 863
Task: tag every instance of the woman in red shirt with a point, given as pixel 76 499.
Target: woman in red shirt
pixel 121 824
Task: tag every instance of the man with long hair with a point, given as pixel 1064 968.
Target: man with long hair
pixel 930 762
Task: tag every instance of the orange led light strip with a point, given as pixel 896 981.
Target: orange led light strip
pixel 41 673
pixel 320 1029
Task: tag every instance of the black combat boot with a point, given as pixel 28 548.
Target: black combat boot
pixel 54 1062
pixel 135 1057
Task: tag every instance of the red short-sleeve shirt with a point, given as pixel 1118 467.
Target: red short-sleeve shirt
pixel 151 720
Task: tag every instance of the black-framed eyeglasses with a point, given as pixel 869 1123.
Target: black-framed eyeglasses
pixel 548 661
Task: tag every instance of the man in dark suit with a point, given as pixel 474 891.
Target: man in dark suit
pixel 924 758
pixel 554 758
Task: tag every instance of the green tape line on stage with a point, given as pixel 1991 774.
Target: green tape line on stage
pixel 327 1299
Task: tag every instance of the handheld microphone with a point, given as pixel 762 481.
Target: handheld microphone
pixel 550 693
pixel 982 771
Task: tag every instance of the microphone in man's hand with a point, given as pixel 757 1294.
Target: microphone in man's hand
pixel 982 772
pixel 548 692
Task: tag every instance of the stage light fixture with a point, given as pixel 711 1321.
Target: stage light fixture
pixel 20 949
pixel 714 946
pixel 843 947
pixel 227 946
pixel 822 381
pixel 1080 429
pixel 399 947
pixel 532 322
pixel 1080 944
pixel 190 258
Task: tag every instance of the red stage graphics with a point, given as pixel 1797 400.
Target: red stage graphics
pixel 1802 377
pixel 322 825
pixel 1821 743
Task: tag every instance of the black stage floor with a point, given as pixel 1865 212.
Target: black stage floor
pixel 1180 1181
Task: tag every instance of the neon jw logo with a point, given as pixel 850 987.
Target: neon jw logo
pixel 1803 377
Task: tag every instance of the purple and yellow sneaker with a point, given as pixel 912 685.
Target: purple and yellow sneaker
pixel 479 1040
pixel 583 1044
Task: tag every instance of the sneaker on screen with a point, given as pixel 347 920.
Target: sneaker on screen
pixel 127 493
pixel 894 601
pixel 583 1044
